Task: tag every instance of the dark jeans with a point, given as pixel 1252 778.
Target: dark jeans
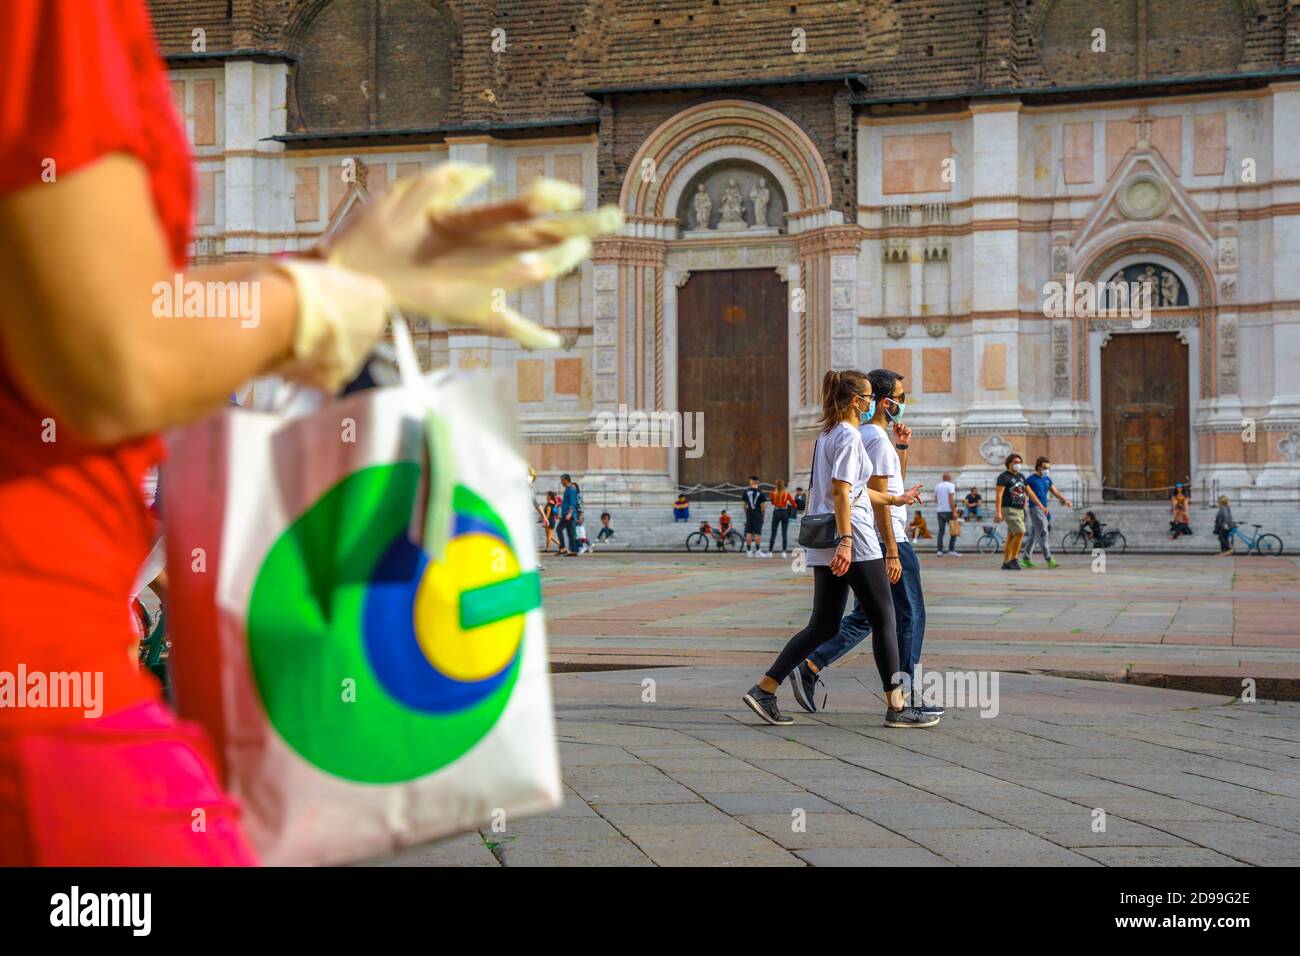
pixel 564 533
pixel 870 586
pixel 1225 540
pixel 944 518
pixel 909 619
pixel 605 533
pixel 780 519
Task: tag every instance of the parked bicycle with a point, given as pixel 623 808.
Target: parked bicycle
pixel 1082 540
pixel 700 540
pixel 1266 544
pixel 990 541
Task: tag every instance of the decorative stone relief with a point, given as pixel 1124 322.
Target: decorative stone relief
pixel 896 328
pixel 936 328
pixel 935 214
pixel 1228 358
pixel 994 450
pixel 606 389
pixel 892 216
pixel 1290 447
pixel 1143 197
pixel 606 279
pixel 1060 259
pixel 842 354
pixel 937 248
pixel 1228 288
pixel 841 324
pixel 1159 323
pixel 842 296
pixel 895 250
pixel 1060 361
pixel 605 333
pixel 1228 252
pixel 606 306
pixel 606 361
pixel 842 268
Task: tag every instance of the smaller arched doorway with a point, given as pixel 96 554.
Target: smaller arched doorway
pixel 1147 375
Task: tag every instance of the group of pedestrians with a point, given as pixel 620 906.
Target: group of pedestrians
pixel 856 486
pixel 562 520
pixel 786 506
pixel 1022 497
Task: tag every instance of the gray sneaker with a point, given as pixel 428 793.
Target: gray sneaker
pixel 764 704
pixel 803 681
pixel 909 717
pixel 932 710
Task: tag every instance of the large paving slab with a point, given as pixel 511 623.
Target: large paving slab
pixel 1068 773
pixel 1194 621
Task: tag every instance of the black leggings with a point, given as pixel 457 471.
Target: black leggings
pixel 870 585
pixel 780 519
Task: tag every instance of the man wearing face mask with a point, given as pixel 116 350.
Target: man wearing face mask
pixel 1010 504
pixel 885 439
pixel 1040 484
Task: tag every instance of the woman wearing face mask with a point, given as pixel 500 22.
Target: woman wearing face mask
pixel 885 439
pixel 840 472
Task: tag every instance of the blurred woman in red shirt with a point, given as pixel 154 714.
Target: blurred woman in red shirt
pixel 95 208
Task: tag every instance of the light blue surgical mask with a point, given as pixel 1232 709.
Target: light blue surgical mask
pixel 868 414
pixel 895 416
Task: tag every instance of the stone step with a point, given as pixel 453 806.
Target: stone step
pixel 1145 526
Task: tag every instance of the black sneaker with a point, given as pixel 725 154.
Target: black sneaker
pixel 1011 565
pixel 804 681
pixel 909 717
pixel 764 704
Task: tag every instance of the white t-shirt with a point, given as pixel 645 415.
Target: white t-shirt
pixel 840 455
pixel 885 461
pixel 944 492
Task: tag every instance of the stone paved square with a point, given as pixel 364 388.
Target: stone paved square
pixel 1092 718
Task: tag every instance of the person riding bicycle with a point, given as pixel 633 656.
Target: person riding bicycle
pixel 1090 526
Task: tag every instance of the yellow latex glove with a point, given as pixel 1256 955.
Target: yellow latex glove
pixel 456 263
pixel 340 316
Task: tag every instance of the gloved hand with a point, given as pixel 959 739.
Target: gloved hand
pixel 455 264
pixel 340 315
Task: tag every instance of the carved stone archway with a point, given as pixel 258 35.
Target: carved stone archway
pixel 637 275
pixel 1196 324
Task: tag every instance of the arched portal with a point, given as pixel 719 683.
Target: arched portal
pixel 1147 374
pixel 734 315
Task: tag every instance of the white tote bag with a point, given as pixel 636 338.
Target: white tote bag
pixel 357 615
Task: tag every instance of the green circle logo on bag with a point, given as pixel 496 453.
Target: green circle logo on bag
pixel 375 661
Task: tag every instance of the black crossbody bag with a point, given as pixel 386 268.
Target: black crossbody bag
pixel 819 531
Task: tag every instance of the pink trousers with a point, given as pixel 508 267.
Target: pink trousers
pixel 135 788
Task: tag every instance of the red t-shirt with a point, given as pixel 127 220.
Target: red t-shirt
pixel 78 79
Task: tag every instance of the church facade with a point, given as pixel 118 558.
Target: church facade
pixel 1074 227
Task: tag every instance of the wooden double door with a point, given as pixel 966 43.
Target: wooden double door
pixel 732 361
pixel 1145 415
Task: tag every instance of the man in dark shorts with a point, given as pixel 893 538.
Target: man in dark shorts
pixel 1014 495
pixel 754 499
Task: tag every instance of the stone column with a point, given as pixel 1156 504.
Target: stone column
pixel 1282 420
pixel 254 173
pixel 995 278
